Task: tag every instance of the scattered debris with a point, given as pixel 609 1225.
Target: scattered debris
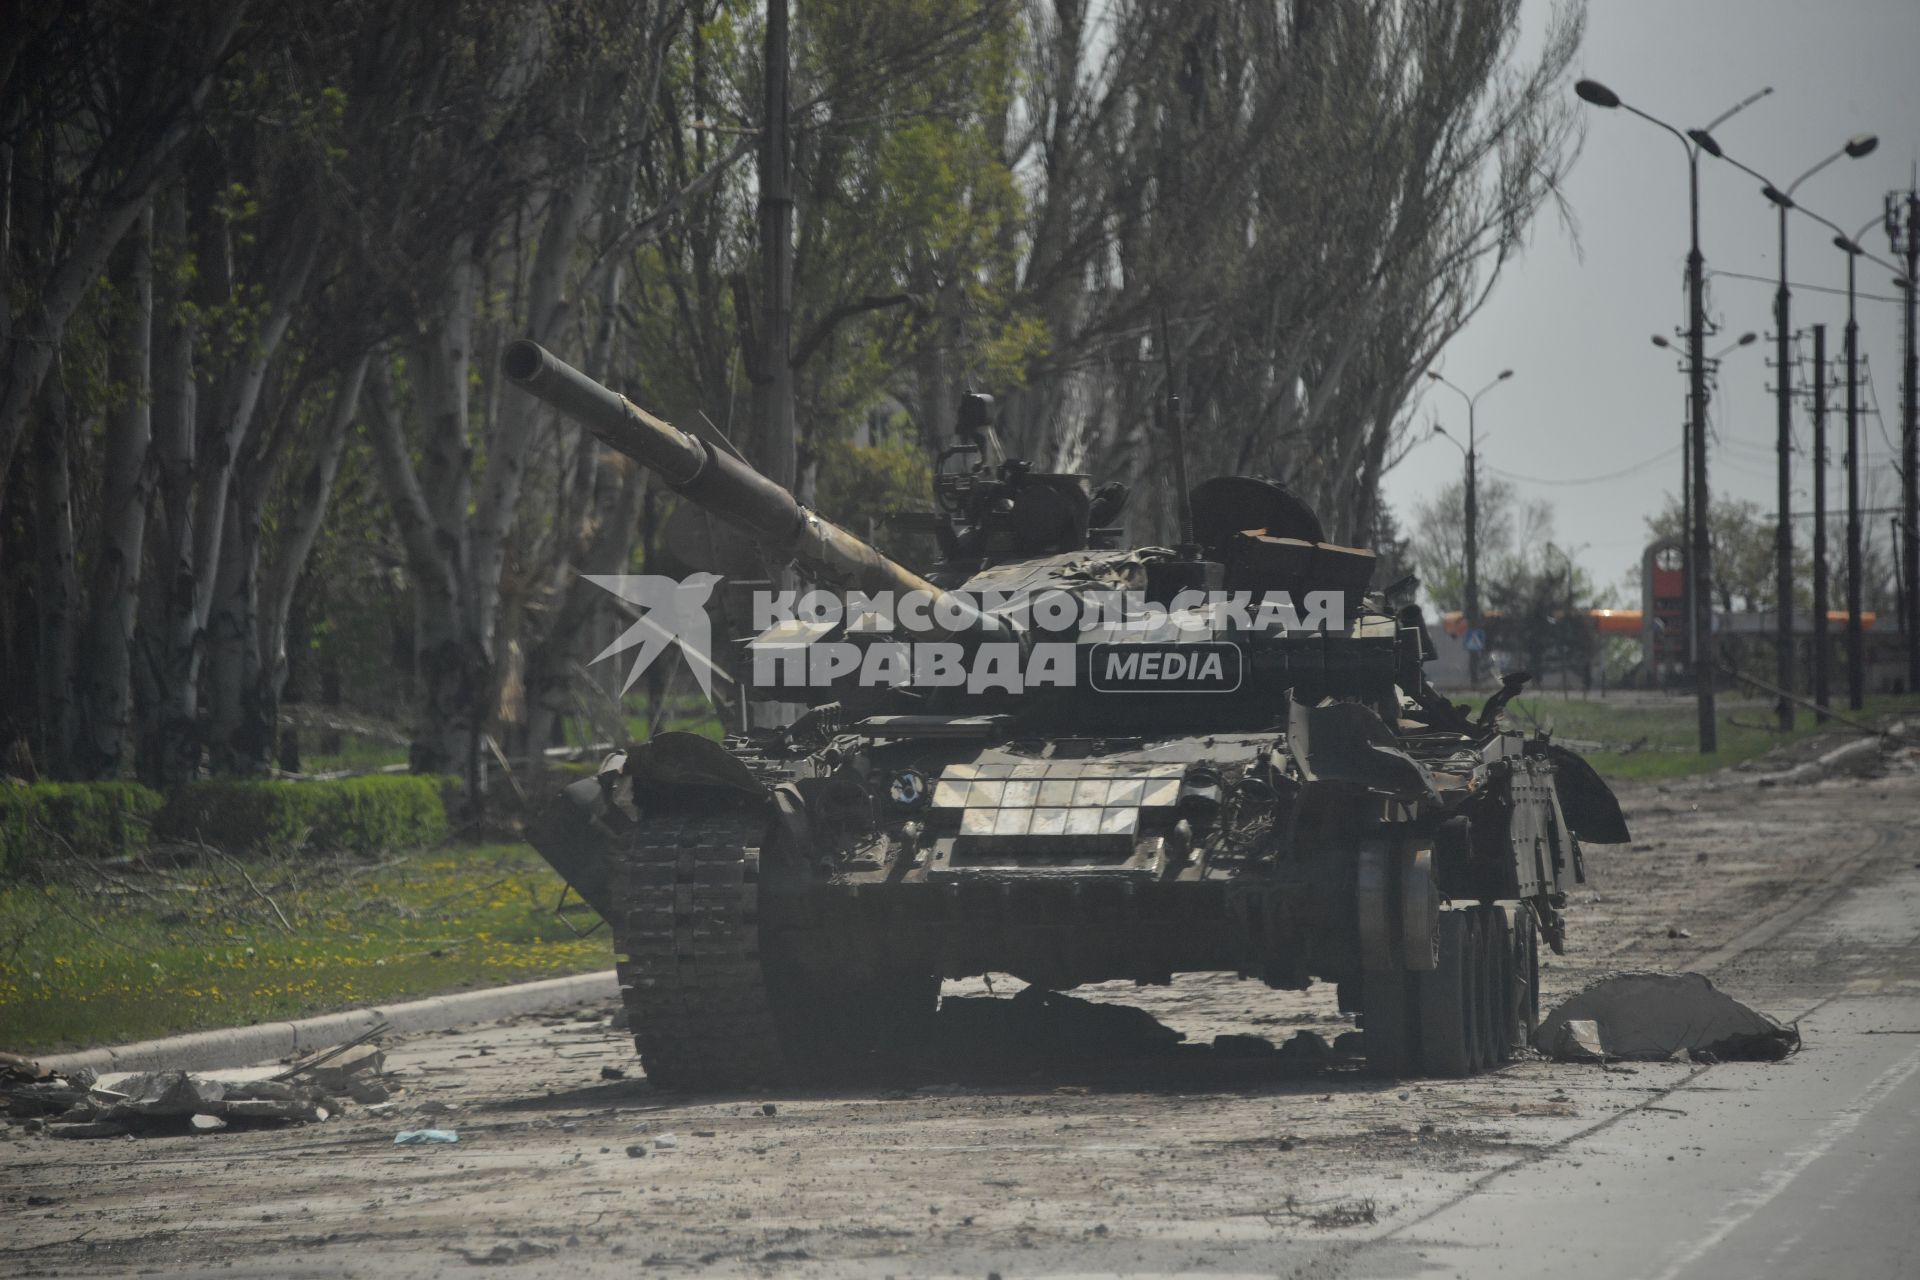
pixel 612 1073
pixel 768 1109
pixel 502 1253
pixel 82 1104
pixel 14 1068
pixel 1329 1216
pixel 1652 1016
pixel 423 1137
pixel 373 1032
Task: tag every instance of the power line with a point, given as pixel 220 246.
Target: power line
pixel 1805 288
pixel 1581 480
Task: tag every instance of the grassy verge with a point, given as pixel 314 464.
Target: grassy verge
pixel 105 954
pixel 1651 737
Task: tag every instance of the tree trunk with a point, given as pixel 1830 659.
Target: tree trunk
pixel 301 528
pixel 105 677
pixel 550 666
pixel 438 742
pixel 515 420
pixel 58 584
pixel 34 339
pixel 236 744
pixel 167 706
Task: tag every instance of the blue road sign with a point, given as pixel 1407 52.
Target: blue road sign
pixel 1475 640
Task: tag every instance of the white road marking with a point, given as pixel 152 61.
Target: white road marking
pixel 1778 1179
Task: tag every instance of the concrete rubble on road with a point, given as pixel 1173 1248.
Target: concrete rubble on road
pixel 84 1104
pixel 1655 1016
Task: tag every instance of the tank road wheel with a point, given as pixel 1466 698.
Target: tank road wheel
pixel 1480 1029
pixel 1446 999
pixel 1389 1021
pixel 1496 979
pixel 1507 1025
pixel 686 931
pixel 1526 963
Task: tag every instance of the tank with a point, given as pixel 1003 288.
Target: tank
pixel 1219 756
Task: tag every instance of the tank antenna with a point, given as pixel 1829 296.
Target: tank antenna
pixel 1174 428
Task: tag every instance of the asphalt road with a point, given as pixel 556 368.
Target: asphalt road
pixel 1804 901
pixel 1808 1168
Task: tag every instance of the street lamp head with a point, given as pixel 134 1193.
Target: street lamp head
pixel 1847 246
pixel 1704 140
pixel 1592 91
pixel 1747 339
pixel 1504 375
pixel 1862 144
pixel 1661 342
pixel 1778 196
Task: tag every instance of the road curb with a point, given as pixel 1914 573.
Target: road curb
pixel 262 1042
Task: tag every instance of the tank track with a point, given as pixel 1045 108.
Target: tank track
pixel 686 931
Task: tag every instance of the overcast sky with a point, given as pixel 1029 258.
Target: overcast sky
pixel 1590 394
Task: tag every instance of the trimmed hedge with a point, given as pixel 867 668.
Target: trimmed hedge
pixel 93 819
pixel 357 815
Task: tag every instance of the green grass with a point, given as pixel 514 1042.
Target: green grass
pixel 1664 732
pixel 116 953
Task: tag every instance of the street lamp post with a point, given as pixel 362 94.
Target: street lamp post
pixel 1472 601
pixel 1693 142
pixel 1820 655
pixel 1856 675
pixel 1857 146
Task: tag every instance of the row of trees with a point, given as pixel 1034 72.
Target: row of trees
pixel 260 263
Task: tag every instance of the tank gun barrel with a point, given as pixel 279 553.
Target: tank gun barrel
pixel 715 479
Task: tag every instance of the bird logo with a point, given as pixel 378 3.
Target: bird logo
pixel 673 611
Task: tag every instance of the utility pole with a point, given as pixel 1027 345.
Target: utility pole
pixel 773 392
pixel 1472 451
pixel 1703 673
pixel 1472 601
pixel 1820 521
pixel 1856 647
pixel 1859 145
pixel 1906 240
pixel 1783 533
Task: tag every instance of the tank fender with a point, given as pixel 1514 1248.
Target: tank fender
pixel 575 834
pixel 1591 809
pixel 671 761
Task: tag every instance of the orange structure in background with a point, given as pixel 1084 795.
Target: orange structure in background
pixel 1627 622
